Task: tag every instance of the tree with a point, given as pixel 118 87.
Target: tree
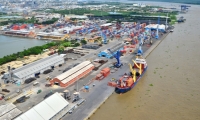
pixel 61 48
pixel 83 42
pixel 76 44
pixel 66 44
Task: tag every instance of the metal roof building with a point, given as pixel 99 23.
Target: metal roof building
pixel 74 74
pixel 8 111
pixel 39 66
pixel 48 109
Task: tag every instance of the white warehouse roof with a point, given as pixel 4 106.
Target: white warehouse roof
pixel 107 24
pixel 45 110
pixel 36 66
pixel 154 26
pixel 8 111
pixel 73 70
pixel 77 73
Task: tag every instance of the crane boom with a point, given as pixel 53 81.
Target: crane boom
pixel 139 66
pixel 133 72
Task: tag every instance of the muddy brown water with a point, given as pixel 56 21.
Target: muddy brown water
pixel 170 88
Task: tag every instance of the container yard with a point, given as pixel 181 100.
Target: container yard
pixel 78 69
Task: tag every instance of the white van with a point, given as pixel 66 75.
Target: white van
pixel 35 83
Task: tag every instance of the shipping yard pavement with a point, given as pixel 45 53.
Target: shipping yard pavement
pixel 93 98
pixel 32 90
pixel 99 93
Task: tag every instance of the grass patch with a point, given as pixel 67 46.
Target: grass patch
pixel 150 84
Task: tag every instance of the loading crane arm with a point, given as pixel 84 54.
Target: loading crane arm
pixel 133 72
pixel 138 66
pixel 117 57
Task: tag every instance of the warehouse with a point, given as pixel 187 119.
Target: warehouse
pixel 9 111
pixel 37 67
pixel 74 74
pixel 114 49
pixel 52 108
pixel 155 26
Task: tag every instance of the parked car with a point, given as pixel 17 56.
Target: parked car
pixel 5 90
pixel 21 99
pixel 48 94
pixel 48 85
pixel 35 83
pixel 29 80
pixel 76 64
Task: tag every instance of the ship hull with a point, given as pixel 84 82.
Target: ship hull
pixel 124 90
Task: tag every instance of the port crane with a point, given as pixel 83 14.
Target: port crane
pixel 133 72
pixel 117 57
pixel 140 51
pixel 103 36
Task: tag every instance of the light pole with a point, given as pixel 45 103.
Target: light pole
pixel 166 22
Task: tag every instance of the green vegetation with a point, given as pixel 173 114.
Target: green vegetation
pixel 31 20
pixel 80 11
pixel 53 20
pixel 38 50
pixel 150 84
pixel 83 42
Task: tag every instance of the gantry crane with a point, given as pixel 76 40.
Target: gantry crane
pixel 117 57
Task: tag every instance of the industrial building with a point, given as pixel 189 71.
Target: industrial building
pixel 21 33
pixel 156 26
pixel 52 108
pixel 37 67
pixel 74 74
pixel 114 49
pixel 50 36
pixel 9 111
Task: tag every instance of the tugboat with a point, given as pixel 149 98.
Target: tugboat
pixel 128 81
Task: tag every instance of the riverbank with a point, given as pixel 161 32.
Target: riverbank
pixel 10 45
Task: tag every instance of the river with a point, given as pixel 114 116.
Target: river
pixel 170 88
pixel 10 45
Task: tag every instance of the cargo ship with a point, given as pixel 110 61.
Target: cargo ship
pixel 128 81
